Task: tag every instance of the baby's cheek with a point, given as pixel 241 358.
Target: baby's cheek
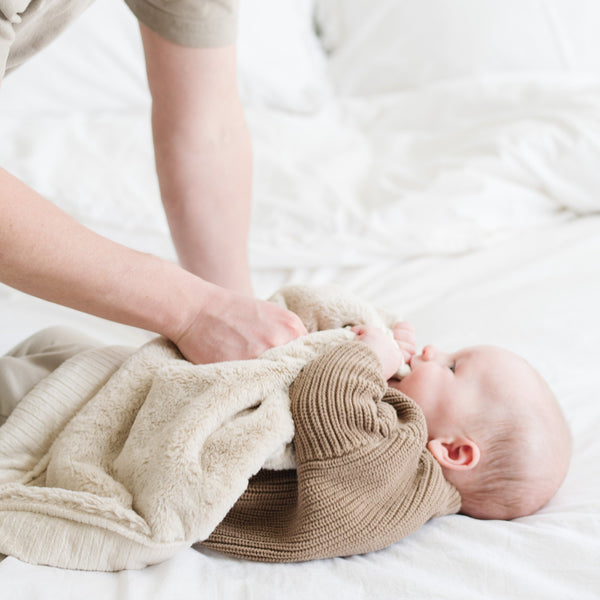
pixel 409 385
pixel 417 387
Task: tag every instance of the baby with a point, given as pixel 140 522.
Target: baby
pixel 493 423
pixel 476 431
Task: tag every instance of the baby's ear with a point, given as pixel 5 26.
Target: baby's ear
pixel 458 454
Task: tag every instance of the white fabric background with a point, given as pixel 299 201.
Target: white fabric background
pixel 439 158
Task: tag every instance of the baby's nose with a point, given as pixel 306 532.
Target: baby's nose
pixel 429 352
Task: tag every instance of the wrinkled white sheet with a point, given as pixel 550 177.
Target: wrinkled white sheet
pixel 470 202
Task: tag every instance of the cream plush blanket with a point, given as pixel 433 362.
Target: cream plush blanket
pixel 120 458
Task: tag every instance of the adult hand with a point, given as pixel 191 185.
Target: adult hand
pixel 383 345
pixel 232 326
pixel 204 166
pixel 45 252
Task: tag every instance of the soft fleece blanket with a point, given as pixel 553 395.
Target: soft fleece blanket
pixel 122 457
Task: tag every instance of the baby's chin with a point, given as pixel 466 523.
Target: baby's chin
pixel 399 375
pixel 395 383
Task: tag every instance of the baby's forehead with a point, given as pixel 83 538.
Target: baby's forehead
pixel 491 365
pixel 488 356
pixel 501 372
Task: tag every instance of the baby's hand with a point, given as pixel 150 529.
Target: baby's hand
pixel 383 345
pixel 404 334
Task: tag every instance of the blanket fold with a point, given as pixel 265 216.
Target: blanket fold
pixel 122 457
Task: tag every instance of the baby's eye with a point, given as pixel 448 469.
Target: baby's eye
pixel 452 366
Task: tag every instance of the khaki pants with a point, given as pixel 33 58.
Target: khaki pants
pixel 35 358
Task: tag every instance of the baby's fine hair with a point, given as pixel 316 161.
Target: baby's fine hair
pixel 525 455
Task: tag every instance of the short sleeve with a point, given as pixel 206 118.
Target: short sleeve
pixel 7 36
pixel 195 23
pixel 27 26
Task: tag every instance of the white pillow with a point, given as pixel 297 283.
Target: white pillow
pixel 281 61
pixel 388 45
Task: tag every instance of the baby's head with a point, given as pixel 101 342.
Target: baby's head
pixel 493 425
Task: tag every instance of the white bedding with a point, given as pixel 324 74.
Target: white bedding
pixel 435 170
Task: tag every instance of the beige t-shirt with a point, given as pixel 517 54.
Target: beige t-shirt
pixel 27 26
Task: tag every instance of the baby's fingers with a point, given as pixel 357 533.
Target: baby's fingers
pixel 404 334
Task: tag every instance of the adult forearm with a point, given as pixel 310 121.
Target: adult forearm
pixel 205 180
pixel 46 253
pixel 203 157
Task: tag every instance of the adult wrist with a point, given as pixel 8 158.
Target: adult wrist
pixel 186 299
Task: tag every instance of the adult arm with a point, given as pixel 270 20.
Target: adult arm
pixel 47 253
pixel 203 157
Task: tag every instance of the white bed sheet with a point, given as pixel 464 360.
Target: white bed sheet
pixel 469 203
pixel 539 297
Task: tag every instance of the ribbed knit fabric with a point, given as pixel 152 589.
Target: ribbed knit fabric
pixel 364 478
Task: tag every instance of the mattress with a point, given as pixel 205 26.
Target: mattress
pixel 439 159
